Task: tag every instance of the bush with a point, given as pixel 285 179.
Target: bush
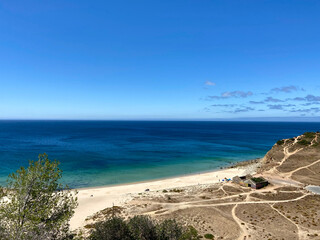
pixel 141 228
pixel 169 230
pixel 309 134
pixel 208 236
pixel 190 234
pixel 176 190
pixel 280 142
pixel 112 229
pixel 304 142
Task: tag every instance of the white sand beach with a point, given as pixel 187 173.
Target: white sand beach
pixel 92 200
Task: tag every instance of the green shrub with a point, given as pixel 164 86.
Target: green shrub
pixel 280 142
pixel 257 179
pixel 309 134
pixel 112 229
pixel 169 230
pixel 190 234
pixel 208 236
pixel 176 190
pixel 304 142
pixel 38 206
pixel 143 228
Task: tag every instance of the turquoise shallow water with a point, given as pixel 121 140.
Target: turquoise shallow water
pixel 95 153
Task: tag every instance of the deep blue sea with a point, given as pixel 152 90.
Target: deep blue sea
pixel 96 153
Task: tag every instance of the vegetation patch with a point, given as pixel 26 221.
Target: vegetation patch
pixel 38 206
pixel 141 228
pixel 280 142
pixel 309 134
pixel 208 236
pixel 304 142
pixel 315 145
pixel 176 190
pixel 258 180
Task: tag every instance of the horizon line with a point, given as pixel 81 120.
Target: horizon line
pixel 244 119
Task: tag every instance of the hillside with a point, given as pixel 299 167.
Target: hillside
pixel 295 158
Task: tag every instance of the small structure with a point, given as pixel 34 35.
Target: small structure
pixel 249 181
pixel 256 183
pixel 241 180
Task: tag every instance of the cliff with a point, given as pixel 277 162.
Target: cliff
pixel 296 158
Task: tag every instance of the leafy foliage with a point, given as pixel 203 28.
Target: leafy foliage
pixel 112 229
pixel 208 236
pixel 304 142
pixel 169 229
pixel 35 205
pixel 258 179
pixel 280 142
pixel 190 234
pixel 309 134
pixel 141 228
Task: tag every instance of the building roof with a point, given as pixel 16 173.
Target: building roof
pixel 258 179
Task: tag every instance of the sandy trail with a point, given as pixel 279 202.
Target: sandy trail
pixel 296 225
pixel 290 173
pixel 171 207
pixel 244 232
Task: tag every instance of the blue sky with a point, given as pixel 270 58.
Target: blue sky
pixel 159 59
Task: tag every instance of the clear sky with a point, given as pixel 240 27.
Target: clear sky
pixel 165 59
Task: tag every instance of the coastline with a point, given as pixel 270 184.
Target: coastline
pixel 239 164
pixel 94 199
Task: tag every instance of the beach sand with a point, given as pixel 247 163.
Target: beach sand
pixel 92 200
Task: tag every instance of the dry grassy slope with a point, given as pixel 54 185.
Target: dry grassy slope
pixel 303 165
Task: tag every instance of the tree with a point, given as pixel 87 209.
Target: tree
pixel 169 230
pixel 114 228
pixel 35 205
pixel 143 228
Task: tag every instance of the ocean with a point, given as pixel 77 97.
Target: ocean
pixel 97 153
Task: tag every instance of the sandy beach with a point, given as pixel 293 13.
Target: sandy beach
pixel 92 200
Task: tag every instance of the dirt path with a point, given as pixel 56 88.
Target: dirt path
pixel 244 232
pixel 249 202
pixel 299 233
pixel 290 173
pixel 171 207
pixel 287 154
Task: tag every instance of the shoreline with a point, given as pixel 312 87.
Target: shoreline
pixel 239 164
pixel 94 199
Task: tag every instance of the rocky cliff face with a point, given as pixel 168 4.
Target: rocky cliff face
pixel 297 158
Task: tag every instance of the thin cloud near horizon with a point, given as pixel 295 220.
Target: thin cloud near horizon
pixel 295 104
